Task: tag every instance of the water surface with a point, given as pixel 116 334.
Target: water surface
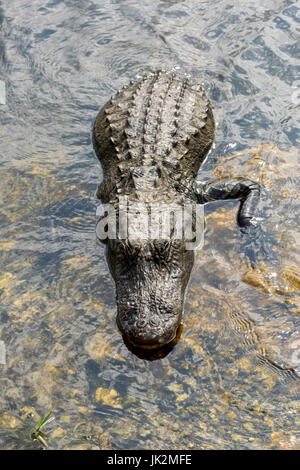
pixel 232 381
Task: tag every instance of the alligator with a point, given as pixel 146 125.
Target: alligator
pixel 151 138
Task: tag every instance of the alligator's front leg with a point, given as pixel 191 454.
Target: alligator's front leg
pixel 246 190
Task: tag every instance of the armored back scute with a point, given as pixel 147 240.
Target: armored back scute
pixel 153 132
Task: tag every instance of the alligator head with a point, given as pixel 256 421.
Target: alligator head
pixel 150 277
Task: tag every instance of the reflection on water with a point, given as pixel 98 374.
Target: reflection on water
pixel 231 380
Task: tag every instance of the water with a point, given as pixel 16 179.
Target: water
pixel 231 381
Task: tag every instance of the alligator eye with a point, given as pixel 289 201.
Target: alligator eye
pixel 131 249
pixel 161 250
pixel 127 252
pixel 120 251
pixel 167 245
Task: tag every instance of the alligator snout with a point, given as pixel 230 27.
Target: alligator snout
pixel 150 277
pixel 148 329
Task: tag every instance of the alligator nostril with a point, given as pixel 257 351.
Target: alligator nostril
pixel 141 323
pixel 154 321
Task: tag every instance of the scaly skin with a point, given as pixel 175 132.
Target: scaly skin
pixel 151 139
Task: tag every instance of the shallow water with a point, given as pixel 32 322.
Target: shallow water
pixel 232 381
